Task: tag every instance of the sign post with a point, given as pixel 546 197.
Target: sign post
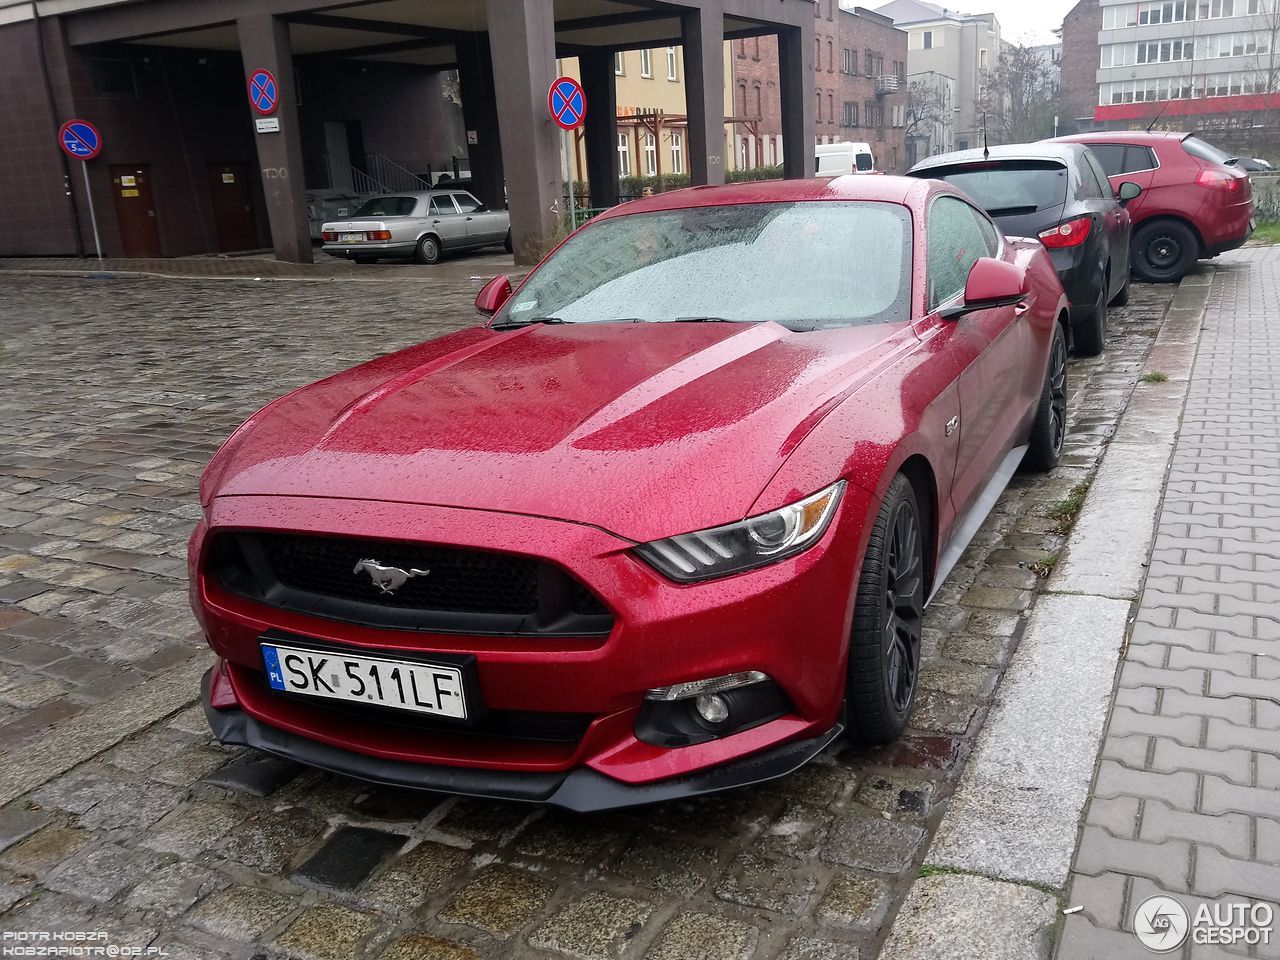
pixel 568 106
pixel 81 141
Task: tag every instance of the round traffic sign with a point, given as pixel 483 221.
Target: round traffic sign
pixel 567 103
pixel 80 139
pixel 264 92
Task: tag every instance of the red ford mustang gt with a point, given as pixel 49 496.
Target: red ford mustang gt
pixel 666 524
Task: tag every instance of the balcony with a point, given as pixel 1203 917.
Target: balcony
pixel 887 83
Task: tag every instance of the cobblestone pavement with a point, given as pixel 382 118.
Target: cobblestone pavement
pixel 1187 795
pixel 117 812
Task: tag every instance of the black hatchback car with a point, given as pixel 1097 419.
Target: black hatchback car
pixel 1059 193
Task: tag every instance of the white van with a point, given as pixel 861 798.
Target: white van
pixel 838 159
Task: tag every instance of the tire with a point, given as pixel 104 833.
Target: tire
pixel 884 647
pixel 1121 299
pixel 1049 430
pixel 1090 337
pixel 1163 251
pixel 506 244
pixel 428 249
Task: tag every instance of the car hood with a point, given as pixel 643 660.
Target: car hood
pixel 644 430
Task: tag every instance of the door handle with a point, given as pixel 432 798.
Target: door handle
pixel 1021 308
pixel 435 222
pixel 470 219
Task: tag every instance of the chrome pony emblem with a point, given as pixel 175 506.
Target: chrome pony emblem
pixel 387 579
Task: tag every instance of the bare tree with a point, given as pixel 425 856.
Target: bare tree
pixel 928 112
pixel 1019 96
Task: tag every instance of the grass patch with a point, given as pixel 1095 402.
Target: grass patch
pixel 1268 232
pixel 1068 508
pixel 928 871
pixel 1155 376
pixel 1044 566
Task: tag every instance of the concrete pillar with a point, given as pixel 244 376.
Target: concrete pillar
pixel 601 134
pixel 265 44
pixel 702 32
pixel 480 113
pixel 522 38
pixel 795 71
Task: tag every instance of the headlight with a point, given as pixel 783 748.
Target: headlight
pixel 753 542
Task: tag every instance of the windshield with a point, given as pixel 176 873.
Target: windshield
pixel 1009 186
pixel 1204 151
pixel 387 207
pixel 805 265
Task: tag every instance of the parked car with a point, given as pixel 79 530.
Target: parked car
pixel 1058 193
pixel 424 225
pixel 664 525
pixel 839 159
pixel 1250 164
pixel 1193 205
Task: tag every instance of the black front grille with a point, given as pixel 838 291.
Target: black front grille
pixel 450 590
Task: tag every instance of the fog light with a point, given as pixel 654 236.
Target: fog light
pixel 712 708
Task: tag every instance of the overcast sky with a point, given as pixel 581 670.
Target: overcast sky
pixel 1021 21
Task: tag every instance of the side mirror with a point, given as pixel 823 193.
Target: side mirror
pixel 493 295
pixel 992 283
pixel 1129 191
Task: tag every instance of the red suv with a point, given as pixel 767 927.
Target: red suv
pixel 1194 204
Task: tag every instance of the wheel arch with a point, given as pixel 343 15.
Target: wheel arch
pixel 919 473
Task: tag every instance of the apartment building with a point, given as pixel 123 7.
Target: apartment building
pixel 956 45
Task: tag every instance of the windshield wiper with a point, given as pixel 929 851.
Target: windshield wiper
pixel 512 324
pixel 703 320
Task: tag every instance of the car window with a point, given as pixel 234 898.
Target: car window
pixel 737 263
pixel 1094 178
pixel 466 202
pixel 955 242
pixel 1111 156
pixel 989 233
pixel 1008 187
pixel 442 206
pixel 1204 151
pixel 387 207
pixel 1138 159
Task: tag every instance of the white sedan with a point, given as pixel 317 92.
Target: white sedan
pixel 423 225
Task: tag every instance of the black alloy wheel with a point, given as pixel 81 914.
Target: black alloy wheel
pixel 1049 429
pixel 888 620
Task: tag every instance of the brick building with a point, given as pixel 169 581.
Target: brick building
pixel 860 88
pixel 1079 95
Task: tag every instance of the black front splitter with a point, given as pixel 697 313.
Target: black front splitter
pixel 581 790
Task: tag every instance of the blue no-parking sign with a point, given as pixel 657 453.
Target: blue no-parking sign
pixel 567 103
pixel 264 92
pixel 80 139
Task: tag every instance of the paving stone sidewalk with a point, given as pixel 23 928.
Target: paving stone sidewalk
pixel 1186 799
pixel 118 813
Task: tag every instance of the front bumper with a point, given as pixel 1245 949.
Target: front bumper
pixel 581 790
pixel 790 621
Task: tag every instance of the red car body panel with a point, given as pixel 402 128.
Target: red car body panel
pixel 571 443
pixel 1223 220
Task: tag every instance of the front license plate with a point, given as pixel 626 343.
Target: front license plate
pixel 432 688
pixel 350 237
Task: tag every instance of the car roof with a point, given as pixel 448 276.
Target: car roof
pixel 1066 152
pixel 870 187
pixel 420 194
pixel 1123 136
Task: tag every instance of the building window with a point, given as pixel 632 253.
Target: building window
pixel 831 108
pixel 113 78
pixel 677 153
pixel 928 39
pixel 759 103
pixel 672 73
pixel 624 155
pixel 619 68
pixel 831 57
pixel 742 49
pixel 817 54
pixel 982 59
pixel 850 113
pixel 756 54
pixel 650 155
pixel 646 63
